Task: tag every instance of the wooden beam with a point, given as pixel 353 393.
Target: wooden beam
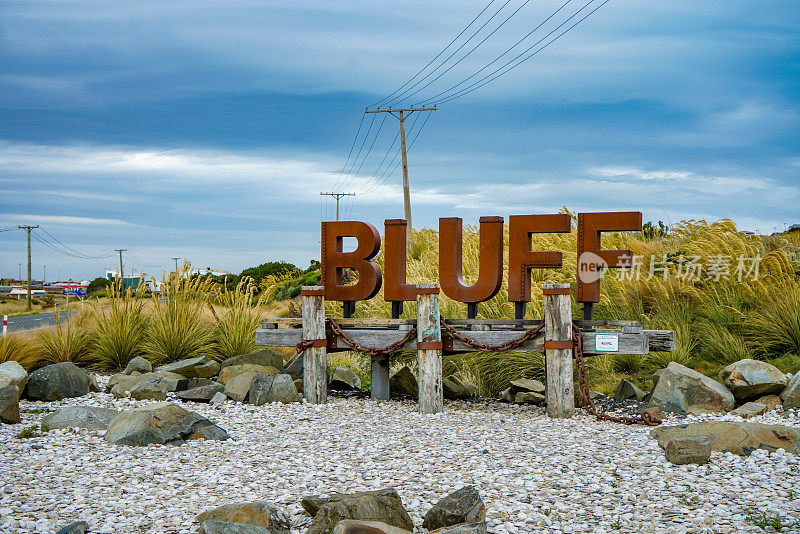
pixel 429 333
pixel 558 353
pixel 315 363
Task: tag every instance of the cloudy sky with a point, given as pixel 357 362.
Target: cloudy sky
pixel 207 130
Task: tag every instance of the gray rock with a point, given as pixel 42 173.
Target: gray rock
pixel 454 388
pixel 94 386
pixel 750 409
pixel 223 527
pixel 238 387
pixel 749 379
pixel 9 404
pixel 272 388
pixel 476 527
pixel 57 381
pixel 734 437
pixel 354 526
pixel 150 389
pixel 201 393
pixel 506 395
pixel 232 371
pixel 259 513
pixel 404 382
pixel 384 506
pixel 78 527
pixel 218 398
pixel 139 364
pixel 529 397
pixel 344 379
pixel 88 417
pixel 688 450
pixel 683 390
pixel 770 401
pixel 462 506
pixel 298 385
pixel 627 390
pixel 312 503
pixel 791 395
pixel 12 373
pixel 120 385
pixel 164 423
pixel 265 357
pixel 200 367
pixel 295 367
pixel 527 385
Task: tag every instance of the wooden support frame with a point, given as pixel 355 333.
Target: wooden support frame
pixel 558 351
pixel 315 359
pixel 429 337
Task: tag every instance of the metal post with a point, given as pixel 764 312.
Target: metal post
pixel 315 365
pixel 558 350
pixel 429 346
pixel 5 324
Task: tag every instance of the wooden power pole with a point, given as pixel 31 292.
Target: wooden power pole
pixel 402 115
pixel 28 229
pixel 337 196
pixel 121 281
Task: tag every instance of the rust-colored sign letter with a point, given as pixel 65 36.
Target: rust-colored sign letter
pixel 334 260
pixel 395 288
pixel 490 260
pixel 520 257
pixel 593 262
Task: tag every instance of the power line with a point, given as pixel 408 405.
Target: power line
pixel 387 172
pixel 437 55
pixel 364 159
pixel 477 85
pixel 361 148
pixel 351 151
pixel 85 256
pixel 495 60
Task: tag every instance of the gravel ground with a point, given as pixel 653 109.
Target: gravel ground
pixel 535 474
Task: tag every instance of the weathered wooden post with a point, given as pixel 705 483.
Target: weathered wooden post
pixel 429 345
pixel 558 350
pixel 315 365
pixel 380 378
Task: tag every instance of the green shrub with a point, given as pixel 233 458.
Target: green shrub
pixel 121 333
pixel 14 348
pixel 66 343
pixel 235 331
pixel 774 328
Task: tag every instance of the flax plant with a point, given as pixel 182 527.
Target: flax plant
pixel 122 328
pixel 66 342
pixel 239 316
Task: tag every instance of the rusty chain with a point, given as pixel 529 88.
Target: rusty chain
pixel 528 335
pixel 577 352
pixel 371 351
pixel 303 345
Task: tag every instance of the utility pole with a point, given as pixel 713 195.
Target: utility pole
pixel 176 268
pixel 44 274
pixel 28 229
pixel 402 115
pixel 121 281
pixel 337 196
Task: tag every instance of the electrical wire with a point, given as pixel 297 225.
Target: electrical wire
pixel 364 159
pixel 495 60
pixel 477 85
pixel 437 55
pixel 65 249
pixel 387 173
pixel 349 153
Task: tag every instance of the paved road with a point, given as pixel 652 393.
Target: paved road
pixel 28 322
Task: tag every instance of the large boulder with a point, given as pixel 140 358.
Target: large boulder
pixel 232 371
pixel 139 365
pixel 150 389
pixel 688 450
pixel 749 379
pixel 627 390
pixel 344 379
pixel 223 527
pixel 791 395
pixel 238 387
pixel 201 393
pixel 121 385
pixel 454 388
pixel 264 357
pixel 260 513
pixel 353 526
pixel 683 390
pixel 750 409
pixel 294 367
pixel 404 382
pixel 384 506
pixel 78 527
pixel 272 388
pixel 199 367
pixel 162 423
pixel 770 401
pixel 57 381
pixel 9 404
pixel 462 506
pixel 526 385
pixel 89 417
pixel 734 437
pixel 312 503
pixel 12 373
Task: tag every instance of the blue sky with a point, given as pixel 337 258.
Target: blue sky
pixel 207 130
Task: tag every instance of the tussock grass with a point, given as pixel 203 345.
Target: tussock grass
pixel 18 348
pixel 70 342
pixel 122 329
pixel 234 329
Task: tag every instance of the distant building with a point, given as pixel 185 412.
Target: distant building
pixel 208 270
pixel 133 280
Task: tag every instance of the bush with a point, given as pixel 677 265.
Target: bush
pixel 774 328
pixel 121 332
pixel 14 348
pixel 66 343
pixel 235 330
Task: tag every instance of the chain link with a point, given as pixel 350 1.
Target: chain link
pixel 528 335
pixel 577 352
pixel 371 351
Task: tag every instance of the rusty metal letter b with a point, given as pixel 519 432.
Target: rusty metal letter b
pixel 334 260
pixel 490 260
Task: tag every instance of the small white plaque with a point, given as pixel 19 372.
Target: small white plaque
pixel 606 342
